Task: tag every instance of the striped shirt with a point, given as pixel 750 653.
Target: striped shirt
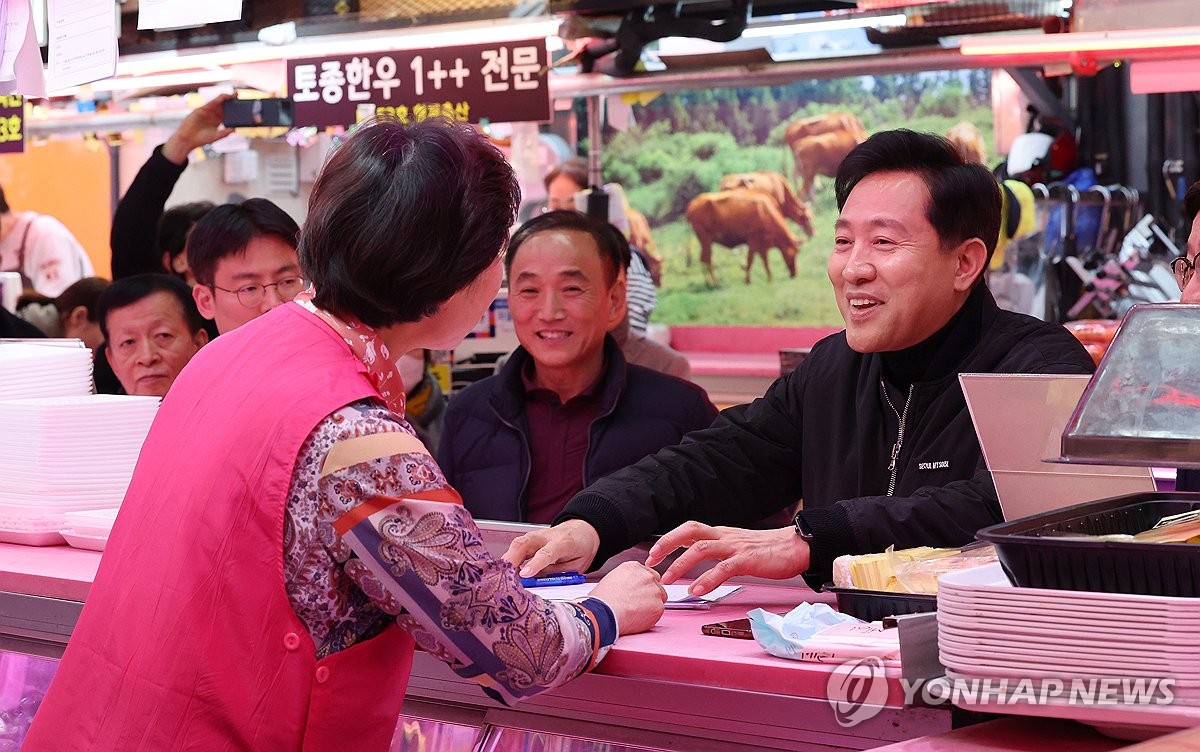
pixel 639 293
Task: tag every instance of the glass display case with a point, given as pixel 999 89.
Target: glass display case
pixel 1143 405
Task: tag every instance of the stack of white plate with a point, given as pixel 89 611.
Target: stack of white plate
pixel 89 529
pixel 989 629
pixel 28 370
pixel 66 454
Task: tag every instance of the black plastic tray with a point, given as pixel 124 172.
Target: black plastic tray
pixel 873 605
pixel 1032 560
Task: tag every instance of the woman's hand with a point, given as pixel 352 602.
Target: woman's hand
pixel 634 594
pixel 567 547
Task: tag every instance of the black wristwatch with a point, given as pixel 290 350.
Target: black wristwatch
pixel 802 528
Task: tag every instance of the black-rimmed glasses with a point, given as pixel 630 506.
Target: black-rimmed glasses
pixel 1184 268
pixel 252 296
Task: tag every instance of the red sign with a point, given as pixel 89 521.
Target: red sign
pixel 12 123
pixel 501 83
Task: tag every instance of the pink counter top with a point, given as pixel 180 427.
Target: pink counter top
pixel 50 571
pixel 676 650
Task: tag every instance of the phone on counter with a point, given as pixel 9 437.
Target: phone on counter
pixel 252 113
pixel 737 628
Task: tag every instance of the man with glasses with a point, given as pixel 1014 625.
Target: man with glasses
pixel 1185 274
pixel 1185 266
pixel 244 259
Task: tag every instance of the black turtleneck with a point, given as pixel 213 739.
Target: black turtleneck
pixel 938 355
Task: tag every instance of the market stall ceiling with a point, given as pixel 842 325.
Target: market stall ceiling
pixel 930 18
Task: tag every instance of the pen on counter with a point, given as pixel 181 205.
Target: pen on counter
pixel 562 578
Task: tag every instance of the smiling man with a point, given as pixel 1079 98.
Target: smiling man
pixel 871 430
pixel 566 409
pixel 152 330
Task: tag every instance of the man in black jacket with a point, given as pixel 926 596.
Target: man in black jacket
pixel 871 431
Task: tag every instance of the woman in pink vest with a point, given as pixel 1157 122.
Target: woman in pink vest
pixel 286 538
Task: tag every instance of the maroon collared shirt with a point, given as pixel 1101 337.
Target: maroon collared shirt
pixel 558 445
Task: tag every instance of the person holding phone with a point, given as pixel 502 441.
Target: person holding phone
pixel 146 238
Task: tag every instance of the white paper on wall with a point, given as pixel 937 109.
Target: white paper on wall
pixel 174 14
pixel 283 173
pixel 83 42
pixel 21 69
pixel 39 21
pixel 240 167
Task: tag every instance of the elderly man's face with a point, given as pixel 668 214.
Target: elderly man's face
pixel 894 283
pixel 1191 291
pixel 562 303
pixel 149 343
pixel 560 194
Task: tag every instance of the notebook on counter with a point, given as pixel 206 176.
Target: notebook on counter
pixel 1019 419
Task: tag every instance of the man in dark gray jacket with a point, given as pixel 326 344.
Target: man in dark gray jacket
pixel 566 409
pixel 871 430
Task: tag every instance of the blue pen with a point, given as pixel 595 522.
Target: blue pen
pixel 562 578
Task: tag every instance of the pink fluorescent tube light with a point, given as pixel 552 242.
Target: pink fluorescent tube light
pixel 1178 38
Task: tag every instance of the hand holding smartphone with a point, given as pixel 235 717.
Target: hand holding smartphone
pixel 254 113
pixel 736 628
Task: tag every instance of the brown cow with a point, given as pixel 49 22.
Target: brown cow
pixel 777 187
pixel 845 132
pixel 826 123
pixel 968 142
pixel 820 155
pixel 731 218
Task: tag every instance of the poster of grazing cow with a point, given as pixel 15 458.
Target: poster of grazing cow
pixel 736 185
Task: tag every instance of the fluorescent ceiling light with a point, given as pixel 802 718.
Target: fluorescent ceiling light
pixel 824 24
pixel 345 44
pixel 1091 41
pixel 182 78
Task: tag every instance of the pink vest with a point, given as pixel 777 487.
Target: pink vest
pixel 188 640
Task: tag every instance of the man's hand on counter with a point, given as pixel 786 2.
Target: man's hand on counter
pixel 635 595
pixel 567 547
pixel 771 554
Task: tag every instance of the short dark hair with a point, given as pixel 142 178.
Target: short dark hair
pixel 964 198
pixel 3 202
pixel 574 169
pixel 1191 203
pixel 129 290
pixel 85 292
pixel 402 217
pixel 613 247
pixel 227 229
pixel 174 224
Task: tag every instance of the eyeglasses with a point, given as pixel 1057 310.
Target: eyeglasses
pixel 1184 268
pixel 252 295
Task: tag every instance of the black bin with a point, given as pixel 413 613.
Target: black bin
pixel 1032 559
pixel 873 605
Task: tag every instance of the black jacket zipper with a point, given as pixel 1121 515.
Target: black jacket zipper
pixel 901 416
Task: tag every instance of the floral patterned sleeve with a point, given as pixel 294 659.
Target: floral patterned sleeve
pixel 387 518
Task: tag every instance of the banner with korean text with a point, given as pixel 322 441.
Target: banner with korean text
pixel 12 123
pixel 501 83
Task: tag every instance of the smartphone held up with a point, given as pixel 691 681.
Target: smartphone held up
pixel 253 113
